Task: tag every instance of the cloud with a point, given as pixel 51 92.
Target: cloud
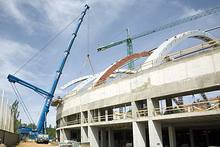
pixel 13 54
pixel 59 13
pixel 188 11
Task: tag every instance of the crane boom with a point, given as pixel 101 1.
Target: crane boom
pixel 166 26
pixel 41 126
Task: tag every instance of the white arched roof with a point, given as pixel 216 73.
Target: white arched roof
pixel 166 46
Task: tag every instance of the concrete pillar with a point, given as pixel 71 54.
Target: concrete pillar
pixel 9 120
pixel 2 112
pixel 172 136
pixel 155 133
pixel 93 133
pixel 62 122
pixel 6 115
pixel 82 117
pixel 139 134
pixel 84 134
pixel 106 115
pixel 110 138
pixel 13 123
pixel 103 138
pixel 134 109
pixel 192 143
pixel 64 135
pixel 67 133
pixel 99 115
pixel 151 105
pixel 61 135
pixel 90 119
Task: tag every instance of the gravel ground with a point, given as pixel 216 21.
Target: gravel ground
pixel 33 144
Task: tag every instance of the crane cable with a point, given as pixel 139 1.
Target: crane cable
pixel 88 44
pixel 46 45
pixel 22 103
pixel 26 111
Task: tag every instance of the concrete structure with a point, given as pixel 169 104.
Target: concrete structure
pixel 6 115
pixel 130 111
pixel 7 134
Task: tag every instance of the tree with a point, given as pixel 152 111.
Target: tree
pixel 51 131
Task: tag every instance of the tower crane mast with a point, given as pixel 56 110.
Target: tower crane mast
pixel 163 27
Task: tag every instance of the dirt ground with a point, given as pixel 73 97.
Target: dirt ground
pixel 33 144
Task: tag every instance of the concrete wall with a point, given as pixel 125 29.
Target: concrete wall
pixel 6 116
pixel 197 72
pixel 8 138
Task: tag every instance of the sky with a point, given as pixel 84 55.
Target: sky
pixel 26 26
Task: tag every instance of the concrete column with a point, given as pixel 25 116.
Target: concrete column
pixel 172 136
pixel 134 109
pixel 139 134
pixel 9 120
pixel 110 138
pixel 103 138
pixel 192 143
pixel 67 134
pixel 106 115
pixel 151 105
pixel 90 119
pixel 84 134
pixel 2 106
pixel 64 134
pixel 13 123
pixel 2 113
pixel 62 122
pixel 155 133
pixel 61 135
pixel 6 115
pixel 82 117
pixel 93 133
pixel 99 115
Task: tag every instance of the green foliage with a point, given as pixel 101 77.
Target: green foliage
pixel 32 125
pixel 51 131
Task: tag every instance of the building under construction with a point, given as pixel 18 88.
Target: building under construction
pixel 7 122
pixel 170 100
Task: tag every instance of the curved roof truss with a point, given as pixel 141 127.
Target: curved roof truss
pixel 166 46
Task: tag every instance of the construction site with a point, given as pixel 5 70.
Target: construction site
pixel 165 96
pixel 151 106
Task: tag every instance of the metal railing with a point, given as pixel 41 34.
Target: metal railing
pixel 200 106
pixel 112 117
pixel 142 113
pixel 194 107
pixel 68 123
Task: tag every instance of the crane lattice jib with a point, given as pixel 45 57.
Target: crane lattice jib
pixel 41 126
pixel 166 26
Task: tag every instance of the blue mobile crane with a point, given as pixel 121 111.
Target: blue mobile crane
pixel 40 131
